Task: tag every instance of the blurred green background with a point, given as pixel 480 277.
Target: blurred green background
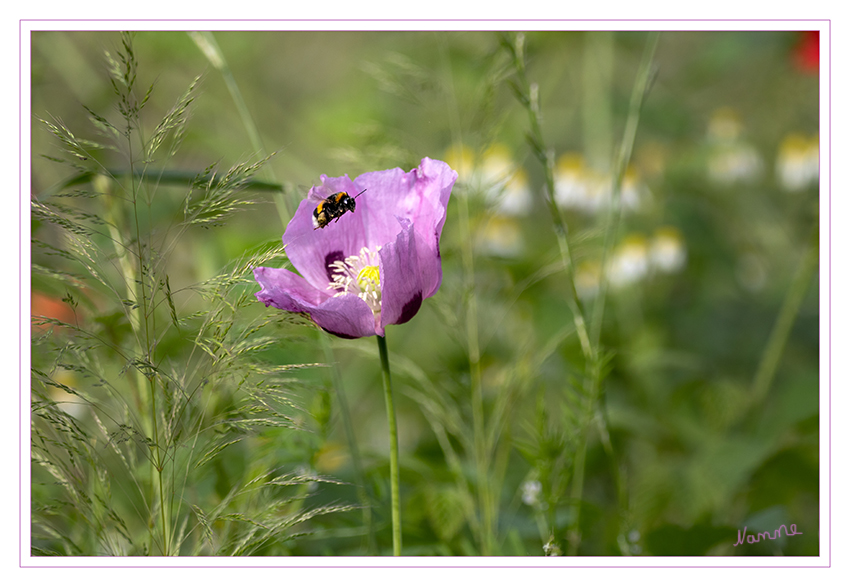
pixel 722 216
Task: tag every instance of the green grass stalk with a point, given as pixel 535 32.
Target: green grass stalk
pixel 480 449
pixel 639 91
pixel 775 346
pixel 483 526
pixel 209 47
pixel 147 354
pixel 593 380
pixel 597 75
pixel 528 95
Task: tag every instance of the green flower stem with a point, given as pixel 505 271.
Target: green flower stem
pixel 782 328
pixel 388 395
pixel 574 530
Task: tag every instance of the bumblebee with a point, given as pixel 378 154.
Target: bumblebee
pixel 332 208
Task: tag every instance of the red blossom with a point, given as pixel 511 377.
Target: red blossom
pixel 806 53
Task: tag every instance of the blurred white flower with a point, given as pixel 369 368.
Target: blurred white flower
pixel 505 184
pixel 731 160
pixel 496 166
pixel 515 198
pixel 461 159
pixel 632 190
pixel 798 162
pixel 570 181
pixel 587 277
pixel 589 191
pixel 629 262
pixel 500 237
pixel 739 163
pixel 597 192
pixel 667 250
pixel 531 492
pixel 551 548
pixel 724 126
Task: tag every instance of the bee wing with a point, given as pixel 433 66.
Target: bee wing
pixel 311 192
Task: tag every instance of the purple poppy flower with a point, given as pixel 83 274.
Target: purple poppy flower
pixel 370 267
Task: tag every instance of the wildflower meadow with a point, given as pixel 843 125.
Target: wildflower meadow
pixel 425 293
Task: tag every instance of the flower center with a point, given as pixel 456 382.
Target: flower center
pixel 369 277
pixel 359 275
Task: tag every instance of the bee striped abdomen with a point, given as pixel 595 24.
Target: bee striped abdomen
pixel 332 208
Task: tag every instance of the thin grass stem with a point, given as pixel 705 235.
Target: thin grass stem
pixel 593 379
pixel 480 449
pixel 639 91
pixel 485 524
pixel 528 94
pixel 206 42
pixel 775 346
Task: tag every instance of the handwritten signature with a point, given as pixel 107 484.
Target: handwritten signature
pixel 766 535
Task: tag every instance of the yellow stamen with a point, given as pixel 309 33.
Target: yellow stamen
pixel 369 275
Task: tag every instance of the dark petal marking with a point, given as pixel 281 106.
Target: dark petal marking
pixel 330 259
pixel 348 336
pixel 410 308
